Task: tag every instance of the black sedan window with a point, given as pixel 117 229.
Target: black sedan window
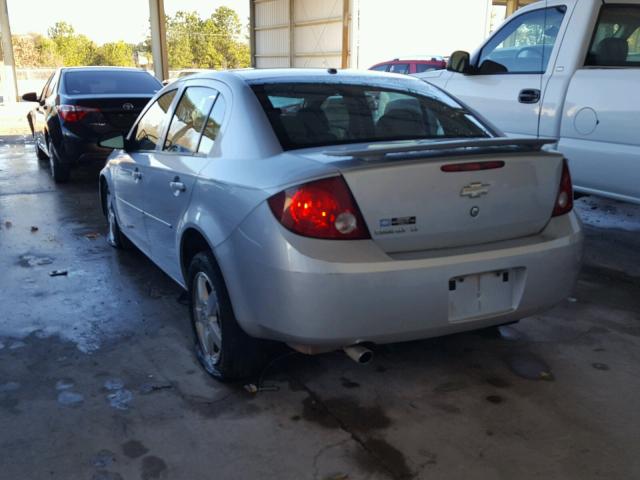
pixel 306 115
pixel 85 82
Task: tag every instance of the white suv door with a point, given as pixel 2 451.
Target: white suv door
pixel 599 133
pixel 510 71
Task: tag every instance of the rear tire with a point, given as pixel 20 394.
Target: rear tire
pixel 225 351
pixel 115 237
pixel 43 158
pixel 59 171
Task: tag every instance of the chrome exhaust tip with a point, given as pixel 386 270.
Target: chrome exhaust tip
pixel 359 354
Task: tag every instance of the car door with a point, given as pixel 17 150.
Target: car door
pixel 43 110
pixel 511 70
pixel 602 111
pixel 129 180
pixel 172 172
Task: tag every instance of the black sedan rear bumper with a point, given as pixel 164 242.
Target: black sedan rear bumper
pixel 75 150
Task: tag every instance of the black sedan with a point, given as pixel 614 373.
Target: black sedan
pixel 80 105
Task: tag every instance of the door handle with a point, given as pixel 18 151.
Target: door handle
pixel 177 186
pixel 137 175
pixel 529 95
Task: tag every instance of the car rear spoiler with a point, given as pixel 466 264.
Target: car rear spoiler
pixel 474 145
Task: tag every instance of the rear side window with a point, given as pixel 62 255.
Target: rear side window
pixel 149 128
pixel 399 68
pixel 616 40
pixel 189 119
pixel 380 68
pixel 332 114
pixel 426 67
pixel 212 128
pixel 84 82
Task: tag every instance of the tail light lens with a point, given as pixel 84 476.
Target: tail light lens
pixel 74 113
pixel 564 201
pixel 321 209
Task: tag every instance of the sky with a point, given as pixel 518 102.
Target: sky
pixel 106 21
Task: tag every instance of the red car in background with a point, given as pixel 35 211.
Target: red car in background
pixel 409 66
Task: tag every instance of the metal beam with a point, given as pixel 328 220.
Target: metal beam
pixel 252 32
pixel 158 39
pixel 345 33
pixel 8 74
pixel 292 28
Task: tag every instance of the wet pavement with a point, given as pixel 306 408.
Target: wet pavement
pixel 98 381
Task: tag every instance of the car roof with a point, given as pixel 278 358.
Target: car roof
pixel 103 68
pixel 324 75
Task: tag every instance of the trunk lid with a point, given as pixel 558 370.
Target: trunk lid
pixel 409 203
pixel 116 113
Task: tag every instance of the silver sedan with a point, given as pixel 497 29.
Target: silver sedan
pixel 333 209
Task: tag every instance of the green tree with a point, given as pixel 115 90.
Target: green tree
pixel 211 43
pixel 119 54
pixel 74 49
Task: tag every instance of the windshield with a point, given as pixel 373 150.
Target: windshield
pixel 83 82
pixel 306 115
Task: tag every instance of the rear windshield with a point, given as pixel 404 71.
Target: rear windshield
pixel 84 82
pixel 307 115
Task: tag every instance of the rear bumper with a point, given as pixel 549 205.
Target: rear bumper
pixel 323 293
pixel 75 150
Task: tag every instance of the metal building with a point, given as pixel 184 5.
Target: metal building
pixel 357 33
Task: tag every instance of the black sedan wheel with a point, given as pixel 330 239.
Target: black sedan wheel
pixel 59 171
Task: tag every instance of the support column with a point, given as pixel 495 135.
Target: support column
pixel 158 39
pixel 345 32
pixel 8 78
pixel 292 42
pixel 512 6
pixel 252 33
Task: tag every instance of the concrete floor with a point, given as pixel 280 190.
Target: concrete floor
pixel 98 381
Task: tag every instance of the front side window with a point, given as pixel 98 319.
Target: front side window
pixel 380 68
pixel 148 130
pixel 188 119
pixel 523 45
pixel 616 40
pixel 333 114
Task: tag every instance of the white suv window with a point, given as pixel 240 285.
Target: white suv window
pixel 616 40
pixel 524 44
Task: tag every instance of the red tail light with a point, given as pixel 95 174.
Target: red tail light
pixel 74 113
pixel 321 209
pixel 564 201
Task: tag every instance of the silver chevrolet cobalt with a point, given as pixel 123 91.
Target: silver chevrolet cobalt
pixel 332 209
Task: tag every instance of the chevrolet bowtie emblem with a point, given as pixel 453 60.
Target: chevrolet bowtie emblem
pixel 475 190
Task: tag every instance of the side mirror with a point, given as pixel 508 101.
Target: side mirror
pixel 459 62
pixel 30 97
pixel 117 142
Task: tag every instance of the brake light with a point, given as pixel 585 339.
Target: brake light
pixel 564 201
pixel 472 166
pixel 321 209
pixel 74 113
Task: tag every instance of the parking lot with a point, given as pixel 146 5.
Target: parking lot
pixel 98 379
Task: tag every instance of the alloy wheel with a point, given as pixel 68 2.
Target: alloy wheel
pixel 206 316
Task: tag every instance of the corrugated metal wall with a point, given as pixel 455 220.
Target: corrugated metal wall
pixel 297 33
